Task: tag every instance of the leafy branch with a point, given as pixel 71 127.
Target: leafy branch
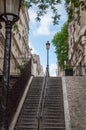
pixel 60 41
pixel 43 6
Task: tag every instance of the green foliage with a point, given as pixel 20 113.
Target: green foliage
pixel 70 9
pixel 60 41
pixel 15 27
pixel 21 66
pixel 43 6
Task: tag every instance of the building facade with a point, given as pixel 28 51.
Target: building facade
pixel 19 43
pixel 37 69
pixel 20 50
pixel 77 42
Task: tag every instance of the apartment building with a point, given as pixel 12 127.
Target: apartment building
pixel 20 50
pixel 37 69
pixel 19 45
pixel 77 42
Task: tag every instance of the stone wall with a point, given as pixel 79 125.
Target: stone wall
pixel 76 98
pixel 77 43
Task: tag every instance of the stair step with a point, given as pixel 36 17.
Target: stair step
pixel 54 120
pixel 27 119
pixel 26 123
pixel 53 107
pixel 29 112
pixel 55 111
pixel 53 124
pixel 53 128
pixel 19 128
pixel 52 117
pixel 54 104
pixel 27 127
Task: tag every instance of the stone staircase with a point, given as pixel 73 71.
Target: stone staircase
pixel 53 112
pixel 27 119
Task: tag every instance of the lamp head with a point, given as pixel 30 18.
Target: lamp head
pixel 9 10
pixel 47 45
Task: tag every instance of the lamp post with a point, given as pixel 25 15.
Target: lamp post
pixel 9 13
pixel 47 47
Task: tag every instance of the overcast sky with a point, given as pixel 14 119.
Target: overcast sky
pixel 43 31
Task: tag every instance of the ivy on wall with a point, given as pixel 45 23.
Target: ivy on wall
pixel 71 5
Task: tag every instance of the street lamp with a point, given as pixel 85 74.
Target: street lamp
pixel 9 13
pixel 47 47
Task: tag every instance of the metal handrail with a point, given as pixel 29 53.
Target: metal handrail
pixel 41 101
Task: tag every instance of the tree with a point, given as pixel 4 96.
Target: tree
pixel 60 41
pixel 43 6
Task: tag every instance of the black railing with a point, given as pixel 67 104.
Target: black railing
pixel 41 101
pixel 16 92
pixel 77 70
pixel 19 87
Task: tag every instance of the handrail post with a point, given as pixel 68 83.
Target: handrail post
pixel 38 123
